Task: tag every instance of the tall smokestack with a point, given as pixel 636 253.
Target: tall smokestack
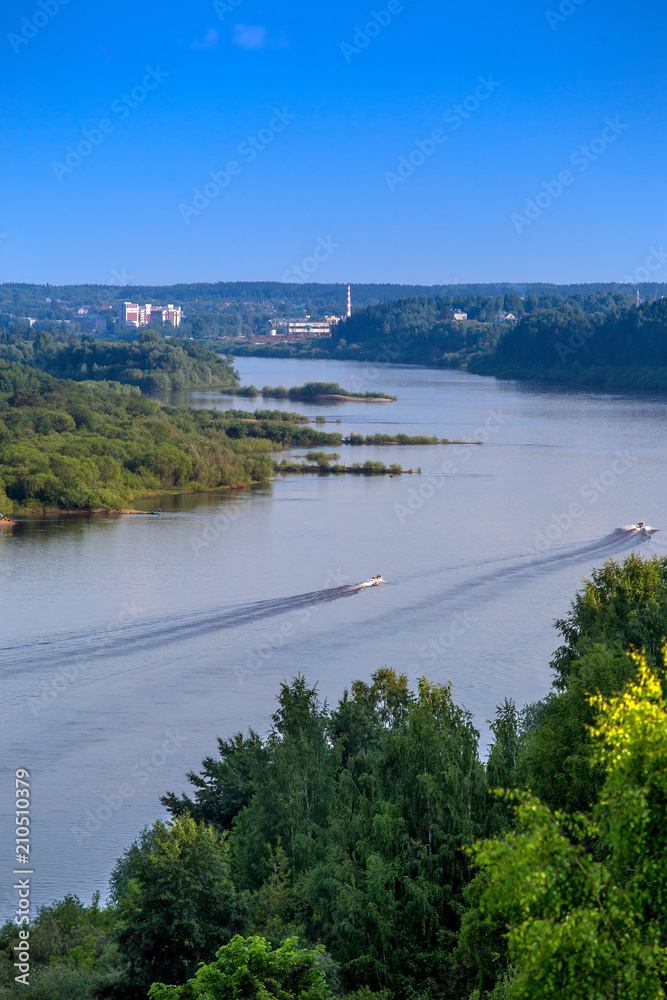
pixel 349 301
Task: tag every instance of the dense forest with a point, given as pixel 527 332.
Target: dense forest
pixel 627 346
pixel 362 850
pixel 88 445
pixel 602 338
pixel 422 330
pixel 150 362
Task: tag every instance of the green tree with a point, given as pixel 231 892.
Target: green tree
pixel 387 899
pixel 249 969
pixel 582 925
pixel 176 899
pixel 622 606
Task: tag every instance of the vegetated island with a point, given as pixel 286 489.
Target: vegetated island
pixel 85 446
pixel 327 464
pixel 358 850
pixel 316 392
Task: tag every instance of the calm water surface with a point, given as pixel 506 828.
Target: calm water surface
pixel 130 643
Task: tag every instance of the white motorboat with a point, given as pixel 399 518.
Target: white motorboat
pixel 373 582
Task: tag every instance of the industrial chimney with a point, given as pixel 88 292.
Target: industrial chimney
pixel 349 301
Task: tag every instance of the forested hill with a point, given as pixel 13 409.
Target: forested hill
pixel 602 338
pixel 151 362
pixel 423 330
pixel 627 346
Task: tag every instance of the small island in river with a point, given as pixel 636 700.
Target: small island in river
pixel 318 392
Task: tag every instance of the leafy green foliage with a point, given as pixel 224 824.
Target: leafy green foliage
pixel 311 390
pixel 582 924
pixel 622 606
pixel 150 363
pixel 73 953
pixel 99 445
pixel 360 814
pixel 176 899
pixel 249 969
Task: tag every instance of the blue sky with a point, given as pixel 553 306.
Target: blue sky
pixel 115 114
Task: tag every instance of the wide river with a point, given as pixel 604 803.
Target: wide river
pixel 130 643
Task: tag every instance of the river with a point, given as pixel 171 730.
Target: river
pixel 130 643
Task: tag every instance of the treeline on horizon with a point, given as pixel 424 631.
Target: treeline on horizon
pixel 360 851
pixel 97 445
pixel 18 298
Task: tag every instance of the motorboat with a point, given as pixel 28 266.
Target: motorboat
pixel 373 582
pixel 645 528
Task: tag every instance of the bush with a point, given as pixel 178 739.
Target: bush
pixel 249 968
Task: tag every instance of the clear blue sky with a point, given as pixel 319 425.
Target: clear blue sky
pixel 329 172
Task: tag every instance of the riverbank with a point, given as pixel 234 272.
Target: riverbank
pixel 630 377
pixel 640 377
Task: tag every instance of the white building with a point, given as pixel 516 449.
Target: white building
pixel 132 314
pixel 309 328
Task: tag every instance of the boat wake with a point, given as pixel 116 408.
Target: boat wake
pixel 494 577
pixel 149 634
